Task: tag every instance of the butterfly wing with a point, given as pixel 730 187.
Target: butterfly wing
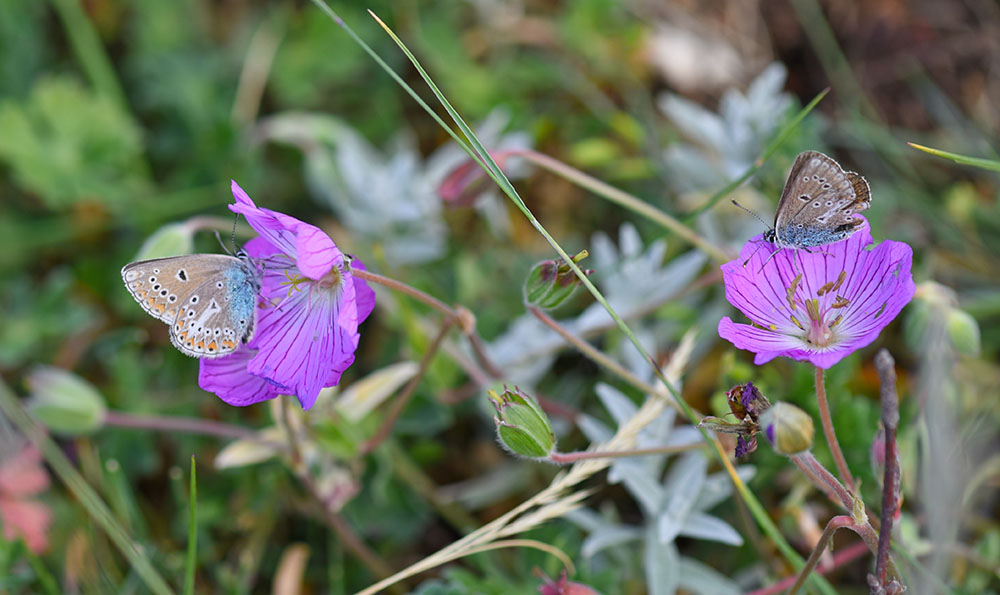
pixel 818 203
pixel 207 299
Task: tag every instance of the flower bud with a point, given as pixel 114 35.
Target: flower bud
pixel 551 282
pixel 463 185
pixel 522 427
pixel 788 428
pixel 172 239
pixel 65 403
pixel 963 330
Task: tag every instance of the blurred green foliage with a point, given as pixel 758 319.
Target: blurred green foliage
pixel 92 169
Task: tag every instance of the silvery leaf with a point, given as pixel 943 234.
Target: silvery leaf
pixel 684 482
pixel 662 564
pixel 704 526
pixel 699 578
pixel 718 486
pixel 609 537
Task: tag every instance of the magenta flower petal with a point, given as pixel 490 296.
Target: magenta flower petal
pixel 817 306
pixel 308 312
pixel 227 377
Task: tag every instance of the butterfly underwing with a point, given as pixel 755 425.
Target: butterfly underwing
pixel 818 203
pixel 209 300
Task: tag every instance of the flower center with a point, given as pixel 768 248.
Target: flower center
pixel 821 320
pixel 331 280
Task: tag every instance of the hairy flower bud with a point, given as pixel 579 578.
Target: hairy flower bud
pixel 64 402
pixel 788 428
pixel 522 427
pixel 551 282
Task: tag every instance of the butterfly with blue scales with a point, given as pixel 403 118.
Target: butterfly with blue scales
pixel 209 300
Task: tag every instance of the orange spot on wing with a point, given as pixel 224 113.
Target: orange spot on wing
pixel 200 345
pixel 212 345
pixel 227 344
pixel 161 307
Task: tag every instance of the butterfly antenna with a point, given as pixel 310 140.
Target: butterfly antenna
pixel 749 258
pixel 218 238
pixel 756 216
pixel 233 238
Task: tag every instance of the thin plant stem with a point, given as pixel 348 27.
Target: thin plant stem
pixel 404 397
pixel 572 457
pixel 836 523
pixel 842 557
pixel 532 543
pixel 460 315
pixel 621 198
pixel 817 480
pixel 831 436
pixel 351 540
pixel 409 290
pixel 885 366
pixel 594 354
pixel 168 423
pixel 828 483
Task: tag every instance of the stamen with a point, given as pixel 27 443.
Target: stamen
pixel 790 295
pixel 840 302
pixel 840 280
pixel 293 282
pixel 796 322
pixel 812 307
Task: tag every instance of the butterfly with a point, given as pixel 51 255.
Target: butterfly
pixel 209 300
pixel 818 203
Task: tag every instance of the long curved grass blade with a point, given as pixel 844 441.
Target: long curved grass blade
pixel 769 150
pixel 85 494
pixel 988 164
pixel 500 178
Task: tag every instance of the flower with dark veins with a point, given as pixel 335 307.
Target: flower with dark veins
pixel 817 306
pixel 308 313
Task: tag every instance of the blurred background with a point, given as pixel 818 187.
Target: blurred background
pixel 122 124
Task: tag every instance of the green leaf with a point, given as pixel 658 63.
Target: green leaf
pixel 67 145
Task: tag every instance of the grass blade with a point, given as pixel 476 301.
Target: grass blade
pixel 491 167
pixel 192 532
pixel 88 498
pixel 988 164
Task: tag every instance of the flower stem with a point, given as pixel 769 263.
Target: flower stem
pixel 885 366
pixel 842 557
pixel 409 290
pixel 594 354
pixel 165 423
pixel 831 436
pixel 619 197
pixel 823 479
pixel 572 457
pixel 351 540
pixel 404 397
pixel 837 522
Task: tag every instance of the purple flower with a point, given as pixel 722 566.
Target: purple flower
pixel 308 314
pixel 819 306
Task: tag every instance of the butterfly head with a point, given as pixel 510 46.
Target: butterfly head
pixel 770 236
